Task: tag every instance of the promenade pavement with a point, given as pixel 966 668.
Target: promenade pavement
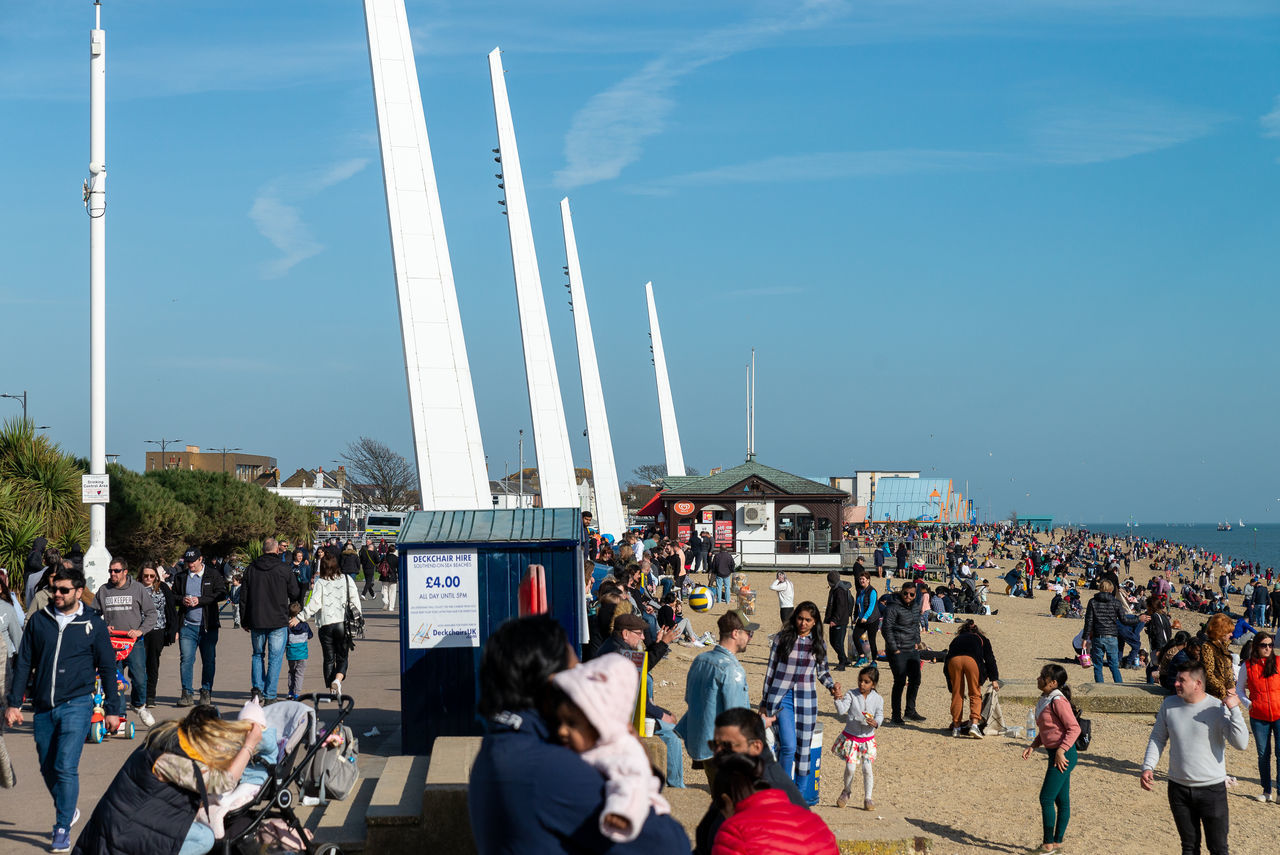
pixel 373 681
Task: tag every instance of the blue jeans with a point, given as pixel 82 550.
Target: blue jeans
pixel 60 734
pixel 675 753
pixel 722 589
pixel 1110 645
pixel 199 840
pixel 1263 734
pixel 136 663
pixel 271 643
pixel 651 622
pixel 191 637
pixel 787 739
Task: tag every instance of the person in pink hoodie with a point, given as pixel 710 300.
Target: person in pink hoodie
pixel 594 716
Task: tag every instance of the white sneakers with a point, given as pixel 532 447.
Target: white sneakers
pixel 975 732
pixel 145 716
pixel 1265 797
pixel 336 685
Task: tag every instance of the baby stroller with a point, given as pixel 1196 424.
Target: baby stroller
pixel 123 646
pixel 285 784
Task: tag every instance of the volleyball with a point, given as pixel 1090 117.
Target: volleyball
pixel 700 599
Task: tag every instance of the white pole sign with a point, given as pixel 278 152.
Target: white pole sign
pixel 442 596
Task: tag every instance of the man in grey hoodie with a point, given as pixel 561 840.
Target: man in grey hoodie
pixel 127 606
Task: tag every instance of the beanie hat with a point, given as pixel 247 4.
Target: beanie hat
pixel 252 711
pixel 605 690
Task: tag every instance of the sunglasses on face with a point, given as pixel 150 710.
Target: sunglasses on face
pixel 148 575
pixel 63 590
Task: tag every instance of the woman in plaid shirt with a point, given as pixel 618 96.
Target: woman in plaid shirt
pixel 797 660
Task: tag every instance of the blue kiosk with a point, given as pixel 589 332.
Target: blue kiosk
pixel 460 574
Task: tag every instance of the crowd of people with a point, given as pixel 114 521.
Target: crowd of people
pixel 550 717
pixel 50 667
pixel 749 745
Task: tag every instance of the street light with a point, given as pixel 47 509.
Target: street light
pixel 163 443
pixel 23 399
pixel 224 451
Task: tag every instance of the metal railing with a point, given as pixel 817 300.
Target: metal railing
pixel 851 549
pixel 817 553
pixel 356 537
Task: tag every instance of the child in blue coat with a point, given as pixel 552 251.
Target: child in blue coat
pixel 295 651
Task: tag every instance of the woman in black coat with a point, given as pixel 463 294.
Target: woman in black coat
pixel 150 806
pixel 166 629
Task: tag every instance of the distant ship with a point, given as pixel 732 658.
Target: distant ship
pixel 1224 526
pixel 1241 523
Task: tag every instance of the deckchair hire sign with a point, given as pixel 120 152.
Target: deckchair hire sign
pixel 442 599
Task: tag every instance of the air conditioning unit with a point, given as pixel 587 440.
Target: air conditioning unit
pixel 753 513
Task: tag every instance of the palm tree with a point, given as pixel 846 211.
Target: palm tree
pixel 39 495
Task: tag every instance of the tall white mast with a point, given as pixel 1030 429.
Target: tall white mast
pixel 550 434
pixel 666 406
pixel 609 514
pixel 442 402
pixel 752 451
pixel 97 557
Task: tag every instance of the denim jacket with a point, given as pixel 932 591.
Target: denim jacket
pixel 716 683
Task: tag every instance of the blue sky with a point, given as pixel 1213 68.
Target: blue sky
pixel 1028 245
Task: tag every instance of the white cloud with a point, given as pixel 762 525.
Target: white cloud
pixel 829 166
pixel 1271 121
pixel 280 221
pixel 608 133
pixel 1113 131
pixel 1058 137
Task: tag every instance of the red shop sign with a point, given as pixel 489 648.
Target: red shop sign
pixel 682 509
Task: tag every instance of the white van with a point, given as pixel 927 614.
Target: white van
pixel 380 524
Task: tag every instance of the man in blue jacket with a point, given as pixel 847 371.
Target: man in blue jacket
pixel 716 682
pixel 64 644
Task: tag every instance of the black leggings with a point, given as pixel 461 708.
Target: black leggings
pixel 333 645
pixel 869 629
pixel 154 645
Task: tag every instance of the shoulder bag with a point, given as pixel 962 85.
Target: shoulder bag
pixel 352 620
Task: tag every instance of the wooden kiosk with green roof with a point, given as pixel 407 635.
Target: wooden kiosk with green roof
pixel 767 517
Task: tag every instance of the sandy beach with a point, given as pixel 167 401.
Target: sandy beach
pixel 973 795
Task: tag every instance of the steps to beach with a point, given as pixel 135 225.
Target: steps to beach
pixel 343 822
pixel 393 821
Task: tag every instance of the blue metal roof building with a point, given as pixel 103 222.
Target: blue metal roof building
pixel 913 499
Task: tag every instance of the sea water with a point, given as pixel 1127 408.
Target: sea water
pixel 1259 543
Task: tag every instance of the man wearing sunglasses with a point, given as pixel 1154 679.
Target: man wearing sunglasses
pixel 127 606
pixel 741 731
pixel 64 644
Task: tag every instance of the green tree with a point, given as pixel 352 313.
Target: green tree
pixel 229 513
pixel 39 495
pixel 145 521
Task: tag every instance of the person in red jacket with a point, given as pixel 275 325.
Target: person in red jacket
pixel 761 820
pixel 1260 677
